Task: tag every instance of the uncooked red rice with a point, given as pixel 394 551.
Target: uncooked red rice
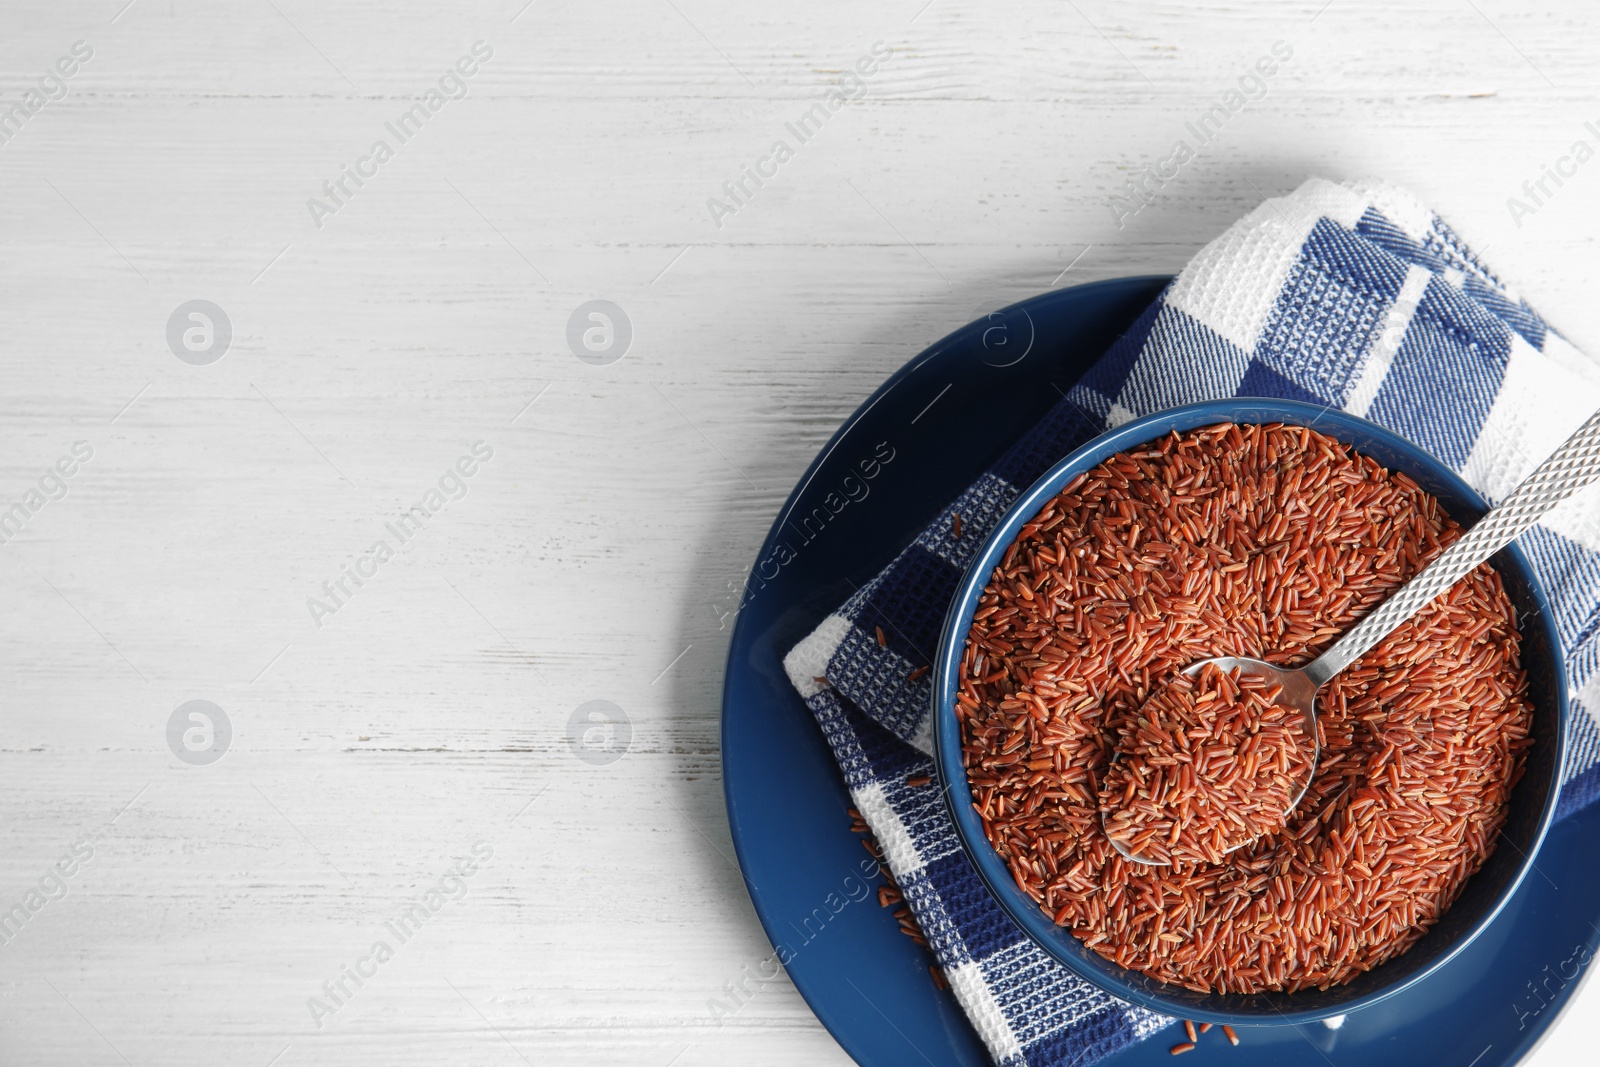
pixel 1209 764
pixel 1262 541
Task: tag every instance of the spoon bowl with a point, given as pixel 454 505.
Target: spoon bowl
pixel 1298 691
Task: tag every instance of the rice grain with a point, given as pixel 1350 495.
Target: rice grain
pixel 1266 541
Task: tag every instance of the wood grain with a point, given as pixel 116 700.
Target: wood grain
pixel 592 555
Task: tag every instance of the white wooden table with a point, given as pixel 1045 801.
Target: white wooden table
pixel 374 340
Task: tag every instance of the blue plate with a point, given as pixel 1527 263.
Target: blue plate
pixel 1533 802
pixel 868 984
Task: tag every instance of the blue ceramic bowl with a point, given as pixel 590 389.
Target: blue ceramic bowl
pixel 1533 802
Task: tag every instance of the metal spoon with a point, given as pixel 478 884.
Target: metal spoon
pixel 1575 464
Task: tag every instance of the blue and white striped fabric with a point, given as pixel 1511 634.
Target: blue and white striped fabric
pixel 1351 295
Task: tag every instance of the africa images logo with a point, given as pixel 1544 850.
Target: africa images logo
pixel 1206 127
pixel 52 887
pixel 199 332
pixel 52 485
pixel 402 928
pixel 352 178
pixel 452 485
pixel 599 732
pixel 52 87
pixel 199 732
pixel 850 86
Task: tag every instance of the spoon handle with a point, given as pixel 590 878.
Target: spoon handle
pixel 1575 464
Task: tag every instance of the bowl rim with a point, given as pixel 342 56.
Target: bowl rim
pixel 950 765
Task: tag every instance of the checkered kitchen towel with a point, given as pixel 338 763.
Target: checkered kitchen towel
pixel 1354 295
